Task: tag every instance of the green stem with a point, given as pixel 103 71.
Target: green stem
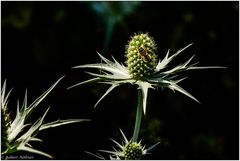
pixel 138 117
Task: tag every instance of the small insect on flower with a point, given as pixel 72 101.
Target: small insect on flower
pixel 144 55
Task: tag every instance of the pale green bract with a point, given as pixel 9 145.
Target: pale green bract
pixel 116 74
pixel 16 139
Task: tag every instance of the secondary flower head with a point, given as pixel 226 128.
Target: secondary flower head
pixel 143 69
pixel 14 135
pixel 128 150
pixel 132 151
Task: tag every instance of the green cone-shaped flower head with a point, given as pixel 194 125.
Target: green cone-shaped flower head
pixel 141 56
pixel 133 151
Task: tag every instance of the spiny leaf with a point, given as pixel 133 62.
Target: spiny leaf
pixel 174 86
pixel 87 81
pixel 60 123
pixel 144 86
pixel 107 92
pixel 31 150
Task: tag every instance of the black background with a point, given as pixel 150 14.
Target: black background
pixel 41 41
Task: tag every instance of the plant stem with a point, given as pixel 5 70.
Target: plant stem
pixel 138 117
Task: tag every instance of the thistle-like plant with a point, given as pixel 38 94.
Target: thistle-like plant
pixel 144 70
pixel 128 150
pixel 16 135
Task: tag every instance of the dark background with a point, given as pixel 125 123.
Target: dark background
pixel 41 41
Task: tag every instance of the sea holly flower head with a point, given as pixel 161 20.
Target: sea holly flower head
pixel 143 69
pixel 133 151
pixel 141 56
pixel 16 135
pixel 128 150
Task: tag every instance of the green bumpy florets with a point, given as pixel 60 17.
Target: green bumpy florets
pixel 5 125
pixel 141 56
pixel 132 151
